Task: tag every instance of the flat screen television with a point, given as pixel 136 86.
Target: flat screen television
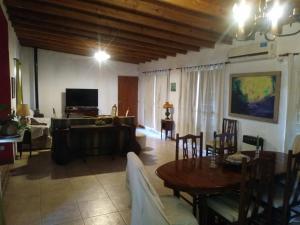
pixel 81 97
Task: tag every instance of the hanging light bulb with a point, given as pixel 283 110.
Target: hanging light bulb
pixel 275 13
pixel 241 13
pixel 101 55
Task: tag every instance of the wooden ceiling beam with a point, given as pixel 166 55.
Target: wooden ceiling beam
pixel 104 42
pixel 111 51
pixel 119 14
pixel 71 42
pixel 170 33
pixel 46 19
pixel 94 35
pixel 77 51
pixel 201 20
pixel 18 25
pixel 215 8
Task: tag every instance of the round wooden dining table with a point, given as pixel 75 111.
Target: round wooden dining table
pixel 201 176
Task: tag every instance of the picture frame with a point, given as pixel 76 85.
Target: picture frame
pixel 255 96
pixel 13 87
pixel 173 87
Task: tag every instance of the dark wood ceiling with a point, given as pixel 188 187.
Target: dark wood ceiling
pixel 133 31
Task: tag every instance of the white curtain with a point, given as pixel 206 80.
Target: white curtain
pixel 293 101
pixel 148 82
pixel 161 96
pixel 187 107
pixel 210 100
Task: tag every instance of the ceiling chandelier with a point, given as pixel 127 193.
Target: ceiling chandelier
pixel 266 17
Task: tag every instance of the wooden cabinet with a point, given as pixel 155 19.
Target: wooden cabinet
pixel 167 125
pixel 86 111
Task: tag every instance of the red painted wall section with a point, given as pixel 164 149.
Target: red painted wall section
pixel 6 156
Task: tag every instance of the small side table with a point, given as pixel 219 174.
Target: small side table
pixel 167 125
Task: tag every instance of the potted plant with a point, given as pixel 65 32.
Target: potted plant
pixel 8 126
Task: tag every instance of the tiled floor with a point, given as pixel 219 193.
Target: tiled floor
pixel 40 192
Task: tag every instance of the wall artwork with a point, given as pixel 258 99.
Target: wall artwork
pixel 173 87
pixel 255 96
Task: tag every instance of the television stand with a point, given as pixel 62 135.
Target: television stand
pixel 86 111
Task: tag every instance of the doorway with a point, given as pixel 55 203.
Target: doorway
pixel 128 96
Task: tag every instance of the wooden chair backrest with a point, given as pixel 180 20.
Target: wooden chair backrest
pixel 258 142
pixel 190 143
pixel 226 141
pixel 257 179
pixel 291 192
pixel 229 126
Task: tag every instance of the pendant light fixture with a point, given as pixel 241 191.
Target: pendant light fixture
pixel 266 17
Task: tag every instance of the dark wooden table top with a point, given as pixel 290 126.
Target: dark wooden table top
pixel 197 175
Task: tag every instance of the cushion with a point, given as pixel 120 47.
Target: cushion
pixel 227 206
pixel 33 121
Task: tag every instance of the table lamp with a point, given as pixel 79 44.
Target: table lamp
pixel 167 106
pixel 23 111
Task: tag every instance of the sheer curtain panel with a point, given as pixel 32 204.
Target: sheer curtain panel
pixel 187 107
pixel 161 96
pixel 210 100
pixel 148 80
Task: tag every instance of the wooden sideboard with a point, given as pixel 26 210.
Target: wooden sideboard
pixel 86 111
pixel 80 137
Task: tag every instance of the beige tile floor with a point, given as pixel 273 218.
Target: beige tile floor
pixel 40 192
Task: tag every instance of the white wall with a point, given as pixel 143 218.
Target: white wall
pixel 28 76
pixel 58 71
pixel 274 134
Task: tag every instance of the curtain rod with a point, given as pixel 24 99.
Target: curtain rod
pixel 287 54
pixel 152 71
pixel 227 62
pixel 215 64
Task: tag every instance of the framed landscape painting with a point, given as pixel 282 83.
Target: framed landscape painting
pixel 255 96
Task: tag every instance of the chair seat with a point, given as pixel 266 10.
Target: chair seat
pixel 227 206
pixel 211 143
pixel 279 193
pixel 178 211
pixel 278 197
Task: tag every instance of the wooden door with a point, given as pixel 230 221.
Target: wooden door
pixel 128 95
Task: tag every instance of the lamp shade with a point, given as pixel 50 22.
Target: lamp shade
pixel 167 105
pixel 23 110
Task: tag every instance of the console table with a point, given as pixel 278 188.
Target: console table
pixel 80 137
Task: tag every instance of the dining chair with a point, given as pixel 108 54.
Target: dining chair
pixel 148 208
pixel 223 143
pixel 258 142
pixel 247 206
pixel 192 147
pixel 228 126
pixel 287 193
